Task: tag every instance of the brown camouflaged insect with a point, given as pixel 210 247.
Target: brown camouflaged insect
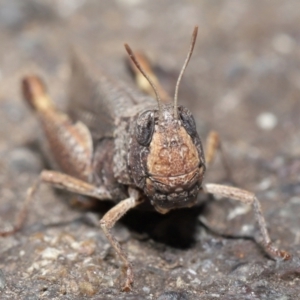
pixel 116 144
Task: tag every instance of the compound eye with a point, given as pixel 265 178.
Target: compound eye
pixel 188 121
pixel 144 128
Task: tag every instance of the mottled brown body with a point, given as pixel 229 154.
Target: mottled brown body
pixel 117 144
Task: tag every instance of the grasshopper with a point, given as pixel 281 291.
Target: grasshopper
pixel 116 144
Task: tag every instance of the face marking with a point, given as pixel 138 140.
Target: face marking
pixel 172 152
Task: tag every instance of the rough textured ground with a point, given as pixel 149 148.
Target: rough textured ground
pixel 243 80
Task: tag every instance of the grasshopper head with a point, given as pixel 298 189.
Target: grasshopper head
pixel 171 157
pixel 166 158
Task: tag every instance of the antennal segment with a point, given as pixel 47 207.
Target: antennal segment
pixel 134 60
pixel 193 41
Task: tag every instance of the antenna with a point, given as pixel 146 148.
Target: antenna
pixel 193 41
pixel 134 60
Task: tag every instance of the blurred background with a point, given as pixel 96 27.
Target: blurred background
pixel 243 81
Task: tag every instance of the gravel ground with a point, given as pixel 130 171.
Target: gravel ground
pixel 243 81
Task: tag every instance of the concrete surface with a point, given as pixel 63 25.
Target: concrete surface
pixel 243 80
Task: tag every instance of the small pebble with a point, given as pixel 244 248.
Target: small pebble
pixel 146 289
pixel 247 229
pixel 283 43
pixel 192 272
pixel 238 211
pixel 180 283
pixel 50 253
pixel 266 121
pixel 265 184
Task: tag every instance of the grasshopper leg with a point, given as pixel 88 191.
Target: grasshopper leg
pixel 109 220
pixel 58 180
pixel 249 198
